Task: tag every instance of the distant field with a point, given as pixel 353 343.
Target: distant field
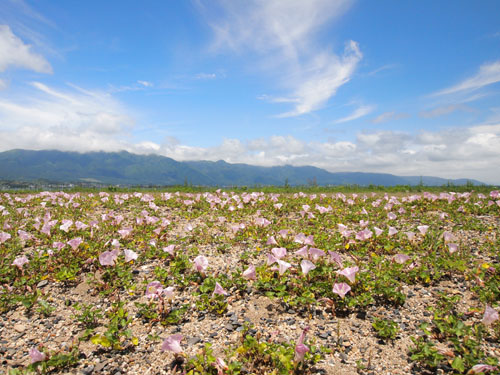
pixel 281 280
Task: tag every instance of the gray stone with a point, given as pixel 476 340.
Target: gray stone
pixel 42 283
pixel 88 370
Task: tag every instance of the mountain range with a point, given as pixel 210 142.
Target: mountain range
pixel 124 168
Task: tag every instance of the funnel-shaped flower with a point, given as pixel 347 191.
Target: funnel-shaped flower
pixel 336 258
pixel 316 253
pixel 107 258
pixel 350 273
pixel 271 241
pixel 481 369
pixel 283 266
pixel 169 249
pixel 401 258
pixel 490 316
pixel 341 289
pixel 75 242
pixel 172 344
pixel 219 290
pixel 36 355
pixel 301 349
pixel 279 252
pixel 452 248
pixel 200 263
pixel 392 231
pixel 307 266
pixel 423 229
pixel 303 252
pixel 4 237
pixel 250 273
pixel 19 262
pixel 378 231
pixel 130 255
pixel 154 289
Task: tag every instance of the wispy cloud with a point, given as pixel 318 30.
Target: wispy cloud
pixel 389 116
pixel 282 34
pixel 358 113
pixel 145 83
pixel 381 69
pixel 487 75
pixel 205 76
pixel 15 53
pixel 445 110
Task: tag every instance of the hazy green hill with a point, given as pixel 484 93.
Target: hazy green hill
pixel 125 168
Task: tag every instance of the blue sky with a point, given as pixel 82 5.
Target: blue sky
pixel 403 87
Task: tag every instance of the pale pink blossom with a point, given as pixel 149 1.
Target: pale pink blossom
pixel 392 231
pixel 130 255
pixel 378 231
pixel 154 289
pixel 271 259
pixel 316 253
pixel 65 225
pixel 336 258
pixel 201 263
pixel 250 273
pixel 283 233
pixel 391 216
pixel 271 241
pixel 279 252
pixel 36 355
pixel 364 234
pixel 423 229
pixel 169 249
pixel 350 273
pixel 401 258
pixel 172 344
pixel 108 258
pixel 19 262
pixel 301 349
pixel 341 289
pixel 452 247
pixel 490 316
pixel 75 242
pixel 482 368
pixel 283 266
pixel 448 237
pixel 4 237
pixel 125 232
pixel 220 365
pixel 410 235
pixel 25 236
pixel 219 290
pixel 302 252
pixel 307 266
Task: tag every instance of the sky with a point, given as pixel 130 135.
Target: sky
pixel 392 86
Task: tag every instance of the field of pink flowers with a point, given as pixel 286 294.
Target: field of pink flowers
pixel 250 283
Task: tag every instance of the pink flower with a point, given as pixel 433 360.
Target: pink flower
pixel 130 255
pixel 283 233
pixel 392 231
pixel 172 344
pixel 4 237
pixel 378 231
pixel 75 242
pixel 250 273
pixel 19 262
pixel 201 263
pixel 410 235
pixel 36 355
pixel 279 252
pixel 271 241
pixel 125 232
pixel 107 258
pixel 283 266
pixel 481 369
pixel 391 216
pixel 154 289
pixel 401 258
pixel 24 235
pixel 303 252
pixel 448 237
pixel 271 259
pixel 219 290
pixel 316 253
pixel 301 349
pixel 169 249
pixel 341 289
pixel 307 266
pixel 220 365
pixel 336 257
pixel 364 234
pixel 65 225
pixel 452 248
pixel 423 229
pixel 350 273
pixel 490 316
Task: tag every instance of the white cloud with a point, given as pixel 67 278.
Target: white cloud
pixel 282 35
pixel 66 120
pixel 389 116
pixel 358 113
pixel 205 76
pixel 487 75
pixel 3 84
pixel 14 52
pixel 145 83
pixel 444 110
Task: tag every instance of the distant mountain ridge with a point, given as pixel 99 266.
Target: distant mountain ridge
pixel 124 168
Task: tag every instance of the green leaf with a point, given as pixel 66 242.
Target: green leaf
pixel 458 364
pixel 100 340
